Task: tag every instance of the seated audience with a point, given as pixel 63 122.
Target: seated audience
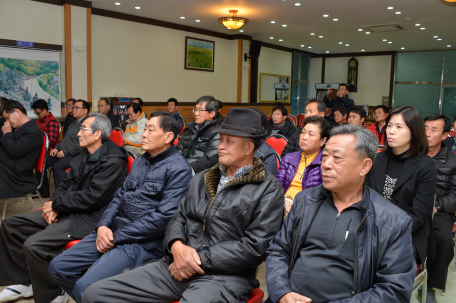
pixel 356 116
pixel 103 108
pixel 173 106
pixel 140 102
pixel 60 157
pixel 405 175
pixel 134 129
pixel 199 142
pixel 220 118
pixel 279 124
pixel 379 127
pixel 342 99
pixel 46 122
pixel 219 234
pixel 28 242
pixel 342 241
pixel 340 116
pixel 69 117
pixel 19 151
pixel 301 170
pixel 314 107
pixel 130 231
pixel 437 128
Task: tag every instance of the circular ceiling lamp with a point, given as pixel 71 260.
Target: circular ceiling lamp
pixel 233 21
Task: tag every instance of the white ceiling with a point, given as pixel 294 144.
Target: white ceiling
pixel 438 18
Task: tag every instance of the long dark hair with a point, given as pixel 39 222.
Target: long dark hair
pixel 414 121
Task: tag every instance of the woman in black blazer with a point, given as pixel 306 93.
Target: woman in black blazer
pixel 405 175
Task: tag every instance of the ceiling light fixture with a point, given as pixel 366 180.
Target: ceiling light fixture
pixel 384 40
pixel 312 34
pixel 422 28
pixel 448 45
pixel 347 44
pixel 302 45
pixel 389 42
pixel 360 29
pixel 402 47
pixel 309 47
pixel 417 24
pixel 280 40
pixel 233 21
pixel 326 16
pixel 327 52
pixel 368 33
pixel 440 39
pixel 320 36
pixel 182 17
pixel 298 4
pixel 363 50
pixel 271 38
pixel 284 25
pixel 197 20
pixel 341 43
pixel 241 30
pixel 435 36
pixel 390 7
pixel 117 3
pixel 272 22
pixel 335 19
pixel 397 13
pixel 138 7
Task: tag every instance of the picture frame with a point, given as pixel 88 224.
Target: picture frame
pixel 199 54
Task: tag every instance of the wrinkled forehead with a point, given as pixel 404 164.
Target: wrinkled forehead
pixel 344 143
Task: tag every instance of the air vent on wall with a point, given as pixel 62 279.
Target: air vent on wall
pixel 380 28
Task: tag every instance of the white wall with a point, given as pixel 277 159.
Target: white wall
pixel 373 77
pixel 273 61
pixel 134 59
pixel 315 75
pixel 79 58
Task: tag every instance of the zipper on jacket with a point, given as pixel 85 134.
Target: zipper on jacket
pixel 296 239
pixel 346 235
pixel 354 264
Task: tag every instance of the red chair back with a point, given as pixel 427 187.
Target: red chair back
pixel 131 159
pixel 39 166
pixel 278 144
pixel 117 137
pixel 293 120
pixel 176 141
pixel 300 119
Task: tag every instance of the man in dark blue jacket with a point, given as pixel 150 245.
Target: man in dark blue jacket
pixel 342 241
pixel 131 230
pixel 342 99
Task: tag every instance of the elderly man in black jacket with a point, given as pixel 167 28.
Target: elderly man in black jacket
pixel 219 234
pixel 29 242
pixel 19 151
pixel 342 241
pixel 437 128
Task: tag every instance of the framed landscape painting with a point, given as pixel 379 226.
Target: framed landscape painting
pixel 199 54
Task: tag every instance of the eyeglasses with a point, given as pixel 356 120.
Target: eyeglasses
pixel 196 110
pixel 101 105
pixel 38 113
pixel 78 107
pixel 82 128
pixel 6 117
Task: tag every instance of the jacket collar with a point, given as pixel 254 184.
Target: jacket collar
pixel 296 158
pixel 364 202
pixel 212 177
pixel 48 118
pixel 441 155
pixel 161 156
pixel 192 125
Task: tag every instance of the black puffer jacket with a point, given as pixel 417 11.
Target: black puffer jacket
pixel 198 145
pixel 86 197
pixel 287 130
pixel 445 169
pixel 229 229
pixel 293 143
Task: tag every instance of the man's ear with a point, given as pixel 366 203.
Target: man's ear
pixel 366 166
pixel 212 114
pixel 169 138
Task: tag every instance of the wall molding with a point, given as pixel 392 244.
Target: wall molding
pixel 360 54
pixel 36 45
pixel 80 3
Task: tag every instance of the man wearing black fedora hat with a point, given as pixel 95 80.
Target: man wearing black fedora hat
pixel 220 232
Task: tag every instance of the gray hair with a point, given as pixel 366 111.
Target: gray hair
pixel 366 143
pixel 102 123
pixel 321 106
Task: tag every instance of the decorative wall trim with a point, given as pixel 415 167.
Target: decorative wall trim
pixel 80 3
pixel 36 45
pixel 68 47
pixel 360 54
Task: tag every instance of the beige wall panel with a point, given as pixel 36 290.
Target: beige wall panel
pixel 273 61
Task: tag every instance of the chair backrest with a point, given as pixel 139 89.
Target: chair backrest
pixel 117 136
pixel 176 141
pixel 131 159
pixel 277 142
pixel 293 120
pixel 39 166
pixel 301 119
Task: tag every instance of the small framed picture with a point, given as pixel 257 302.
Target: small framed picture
pixel 199 54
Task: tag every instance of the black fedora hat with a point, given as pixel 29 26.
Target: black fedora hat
pixel 242 122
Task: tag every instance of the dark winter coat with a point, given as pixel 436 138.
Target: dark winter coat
pixel 268 156
pixel 229 229
pixel 338 102
pixel 414 193
pixel 69 119
pixel 384 268
pixel 445 168
pixel 287 130
pixel 146 202
pixel 198 145
pixel 289 167
pixel 70 143
pixel 85 197
pixel 113 119
pixel 19 152
pixel 293 143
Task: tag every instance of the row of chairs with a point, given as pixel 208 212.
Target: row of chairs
pixel 297 121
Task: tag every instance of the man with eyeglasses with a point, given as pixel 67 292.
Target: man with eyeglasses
pixel 29 242
pixel 103 108
pixel 19 151
pixel 60 157
pixel 46 121
pixel 199 142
